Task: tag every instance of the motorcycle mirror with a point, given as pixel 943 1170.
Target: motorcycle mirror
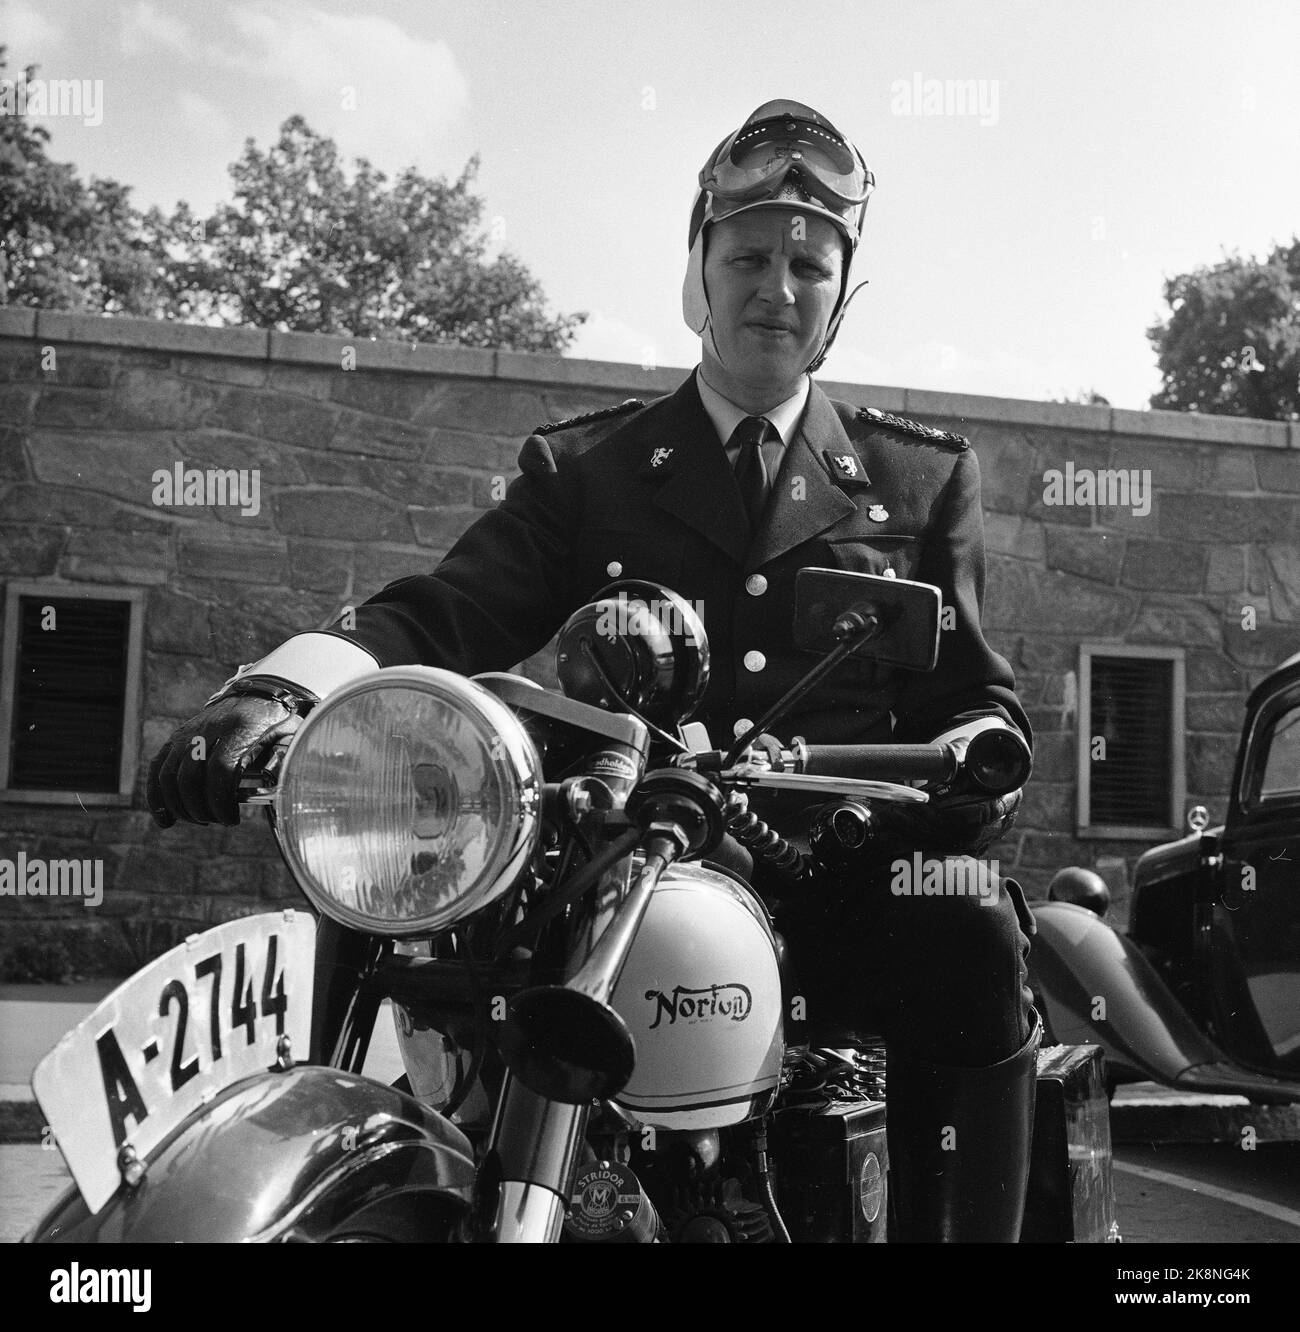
pixel 908 614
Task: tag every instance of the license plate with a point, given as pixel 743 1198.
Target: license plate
pixel 199 1018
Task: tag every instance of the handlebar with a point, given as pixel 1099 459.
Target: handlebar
pixel 882 762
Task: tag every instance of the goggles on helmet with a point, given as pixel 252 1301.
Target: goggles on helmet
pixel 783 139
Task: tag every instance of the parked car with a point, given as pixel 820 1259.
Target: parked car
pixel 1203 993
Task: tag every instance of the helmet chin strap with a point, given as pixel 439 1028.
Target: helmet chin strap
pixel 816 363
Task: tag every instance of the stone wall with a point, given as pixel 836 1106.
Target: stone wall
pixel 374 457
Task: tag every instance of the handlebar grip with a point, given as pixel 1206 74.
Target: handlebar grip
pixel 998 761
pixel 895 763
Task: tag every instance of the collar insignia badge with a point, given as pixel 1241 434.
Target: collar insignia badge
pixel 847 463
pixel 660 456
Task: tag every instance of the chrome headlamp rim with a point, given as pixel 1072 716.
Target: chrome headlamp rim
pixel 511 749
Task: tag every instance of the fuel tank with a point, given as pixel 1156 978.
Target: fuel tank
pixel 310 1154
pixel 701 995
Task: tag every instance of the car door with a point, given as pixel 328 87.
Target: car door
pixel 1250 935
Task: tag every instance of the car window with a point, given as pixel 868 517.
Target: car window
pixel 1281 774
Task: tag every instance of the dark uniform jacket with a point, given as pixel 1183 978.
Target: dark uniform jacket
pixel 647 492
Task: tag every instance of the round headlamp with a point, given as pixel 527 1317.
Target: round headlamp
pixel 638 642
pixel 408 800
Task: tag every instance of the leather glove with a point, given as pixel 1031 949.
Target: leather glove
pixel 957 824
pixel 234 731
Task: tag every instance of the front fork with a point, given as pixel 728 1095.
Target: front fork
pixel 532 1160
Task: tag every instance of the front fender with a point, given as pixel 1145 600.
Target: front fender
pixel 307 1154
pixel 1079 966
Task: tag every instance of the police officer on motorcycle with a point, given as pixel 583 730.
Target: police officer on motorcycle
pixel 721 491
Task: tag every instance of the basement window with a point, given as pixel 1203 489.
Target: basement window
pixel 70 713
pixel 1132 777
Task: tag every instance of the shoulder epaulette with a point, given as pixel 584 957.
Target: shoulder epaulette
pixel 628 405
pixel 901 423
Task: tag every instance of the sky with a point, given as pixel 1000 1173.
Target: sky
pixel 1015 246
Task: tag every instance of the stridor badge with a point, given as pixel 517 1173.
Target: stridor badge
pixel 846 468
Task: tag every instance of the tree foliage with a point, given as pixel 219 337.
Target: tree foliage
pixel 1231 346
pixel 300 247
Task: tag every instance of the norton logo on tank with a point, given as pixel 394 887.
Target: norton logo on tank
pixel 731 1002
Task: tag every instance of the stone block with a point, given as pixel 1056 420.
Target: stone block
pixel 1047 806
pixel 1056 757
pixel 230 876
pixel 487 408
pixel 51 505
pixel 1021 597
pixel 159 334
pixel 326 513
pixel 1216 712
pixel 1212 673
pixel 1050 851
pixel 1226 569
pixel 1010 534
pixel 1229 469
pixel 147 400
pixel 222 370
pixel 122 466
pixel 376 437
pixel 303 380
pixel 275 463
pixel 1010 474
pixel 79 369
pixel 31 552
pixel 179 686
pixel 456 448
pixel 320 566
pixel 1090 554
pixel 1210 760
pixel 101 555
pixel 1228 518
pixel 148 869
pixel 17 321
pixel 1211 430
pixel 440 528
pixel 1164 565
pixel 13 456
pixel 59 407
pixel 1264 647
pixel 202 556
pixel 122 826
pixel 1045 654
pixel 1279 471
pixel 1172 466
pixel 1283 563
pixel 1187 624
pixel 395 396
pixel 176 623
pixel 277 416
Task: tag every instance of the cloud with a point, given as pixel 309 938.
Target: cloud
pixel 145 27
pixel 378 91
pixel 28 34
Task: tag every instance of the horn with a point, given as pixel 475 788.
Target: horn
pixel 567 1042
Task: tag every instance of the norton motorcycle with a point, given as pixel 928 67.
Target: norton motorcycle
pixel 601 1035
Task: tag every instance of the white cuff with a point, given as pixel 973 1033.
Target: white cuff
pixel 318 663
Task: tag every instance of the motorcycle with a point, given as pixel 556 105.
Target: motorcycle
pixel 530 878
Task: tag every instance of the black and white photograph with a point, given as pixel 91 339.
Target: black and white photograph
pixel 651 623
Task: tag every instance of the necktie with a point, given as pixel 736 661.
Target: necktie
pixel 751 471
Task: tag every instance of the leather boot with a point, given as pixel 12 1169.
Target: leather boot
pixel 959 1146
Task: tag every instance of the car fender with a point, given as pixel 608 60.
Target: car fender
pixel 1097 987
pixel 307 1154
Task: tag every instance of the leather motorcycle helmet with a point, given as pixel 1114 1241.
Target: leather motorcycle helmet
pixel 785 155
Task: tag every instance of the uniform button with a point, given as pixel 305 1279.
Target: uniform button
pixel 888 572
pixel 755 661
pixel 741 727
pixel 755 585
pixel 613 568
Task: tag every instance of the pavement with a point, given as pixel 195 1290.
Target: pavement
pixel 34 1017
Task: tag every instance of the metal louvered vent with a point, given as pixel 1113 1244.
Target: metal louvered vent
pixel 70 694
pixel 1131 700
